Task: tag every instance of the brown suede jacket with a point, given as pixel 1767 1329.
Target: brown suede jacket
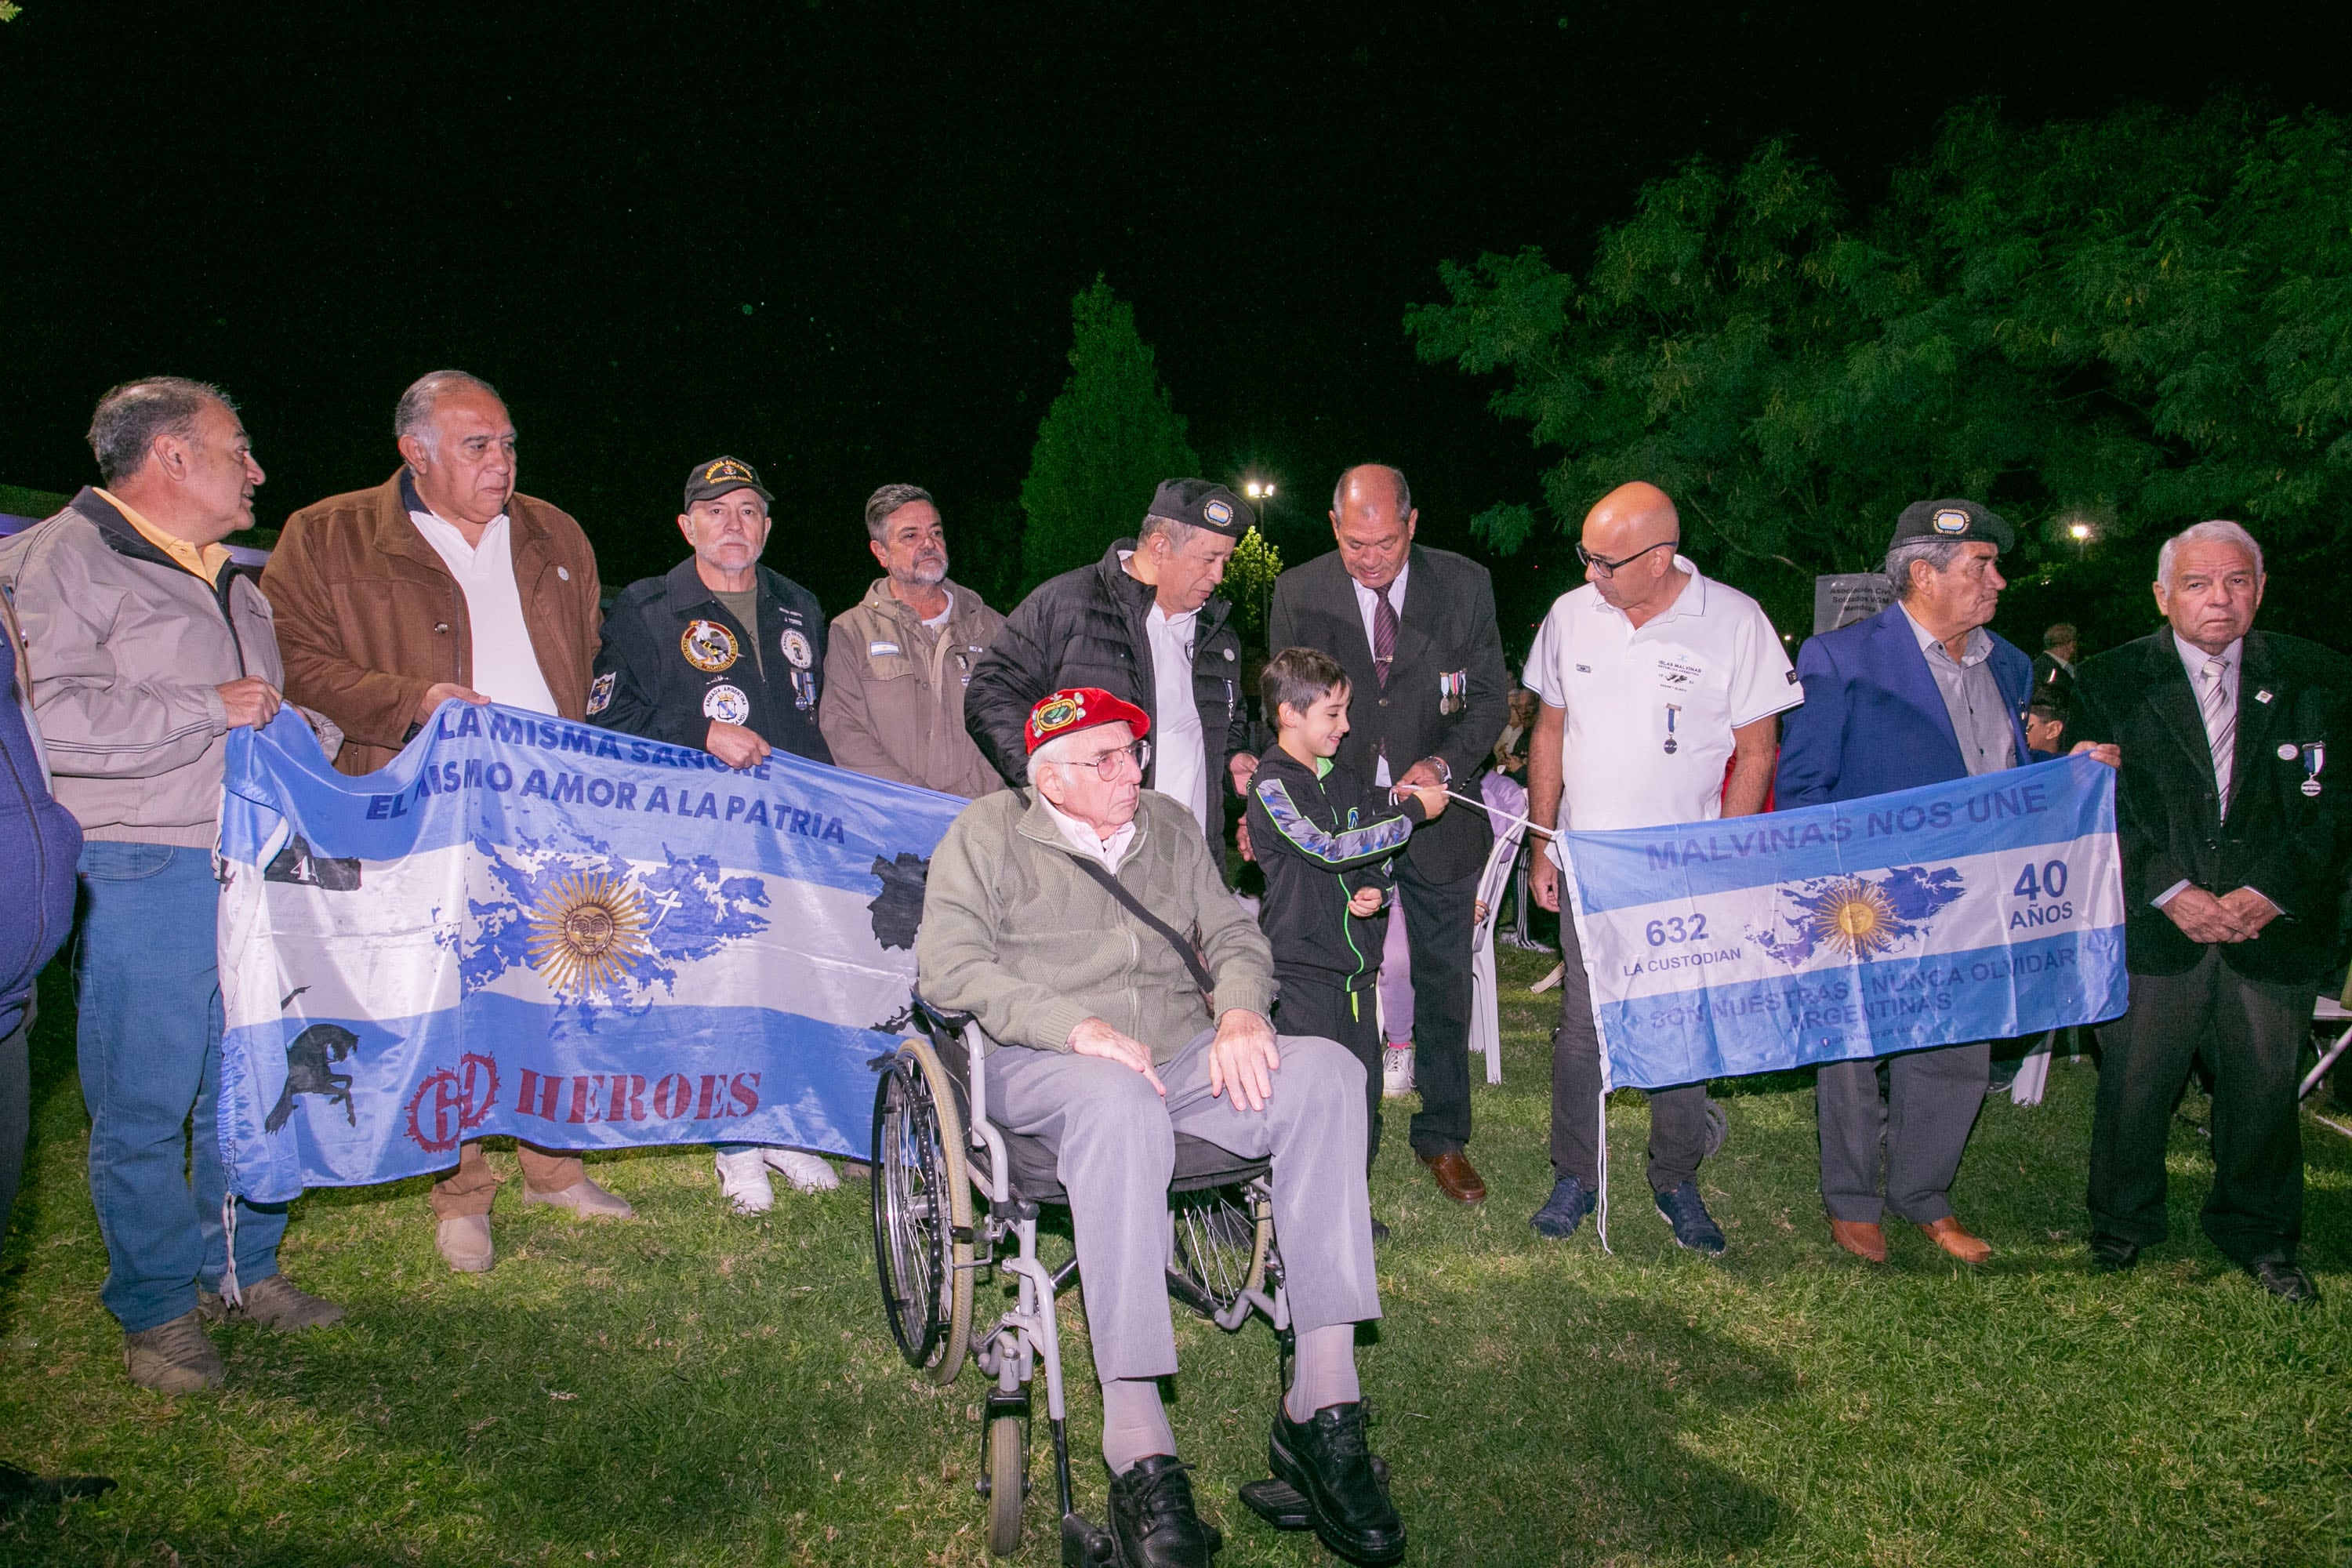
pixel 368 616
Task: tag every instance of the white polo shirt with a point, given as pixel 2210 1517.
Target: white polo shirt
pixel 506 667
pixel 1709 664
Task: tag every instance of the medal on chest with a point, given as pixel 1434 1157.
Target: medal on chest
pixel 2314 760
pixel 1672 709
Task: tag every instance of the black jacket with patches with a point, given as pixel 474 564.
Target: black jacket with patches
pixel 673 660
pixel 1087 627
pixel 1317 840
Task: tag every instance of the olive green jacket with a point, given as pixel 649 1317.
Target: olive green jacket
pixel 1016 934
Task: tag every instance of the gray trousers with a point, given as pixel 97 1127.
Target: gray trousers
pixel 1677 1115
pixel 1914 1136
pixel 2252 1033
pixel 1114 1141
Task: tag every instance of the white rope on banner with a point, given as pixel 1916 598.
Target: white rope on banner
pixel 229 1286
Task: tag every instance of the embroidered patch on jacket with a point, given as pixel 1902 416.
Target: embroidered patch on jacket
pixel 727 704
pixel 796 649
pixel 600 696
pixel 708 646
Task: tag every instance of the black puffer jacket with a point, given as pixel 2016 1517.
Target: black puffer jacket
pixel 1087 628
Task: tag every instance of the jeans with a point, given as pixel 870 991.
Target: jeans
pixel 148 995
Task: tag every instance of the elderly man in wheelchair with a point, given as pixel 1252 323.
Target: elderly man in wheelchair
pixel 1123 993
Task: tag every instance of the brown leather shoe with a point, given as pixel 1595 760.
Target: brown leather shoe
pixel 1456 1177
pixel 1867 1240
pixel 1947 1233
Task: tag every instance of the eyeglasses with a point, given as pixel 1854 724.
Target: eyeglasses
pixel 1107 767
pixel 1611 568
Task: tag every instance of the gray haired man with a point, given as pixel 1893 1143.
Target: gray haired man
pixel 146 648
pixel 897 665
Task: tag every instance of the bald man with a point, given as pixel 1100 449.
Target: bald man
pixel 1428 693
pixel 1653 680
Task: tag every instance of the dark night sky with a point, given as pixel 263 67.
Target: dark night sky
pixel 311 204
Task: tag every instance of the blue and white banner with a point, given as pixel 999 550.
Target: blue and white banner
pixel 527 926
pixel 1971 911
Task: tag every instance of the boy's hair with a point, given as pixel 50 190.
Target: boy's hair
pixel 2046 708
pixel 1299 676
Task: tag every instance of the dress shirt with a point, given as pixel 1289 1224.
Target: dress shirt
pixel 2193 660
pixel 506 667
pixel 1367 605
pixel 1106 852
pixel 1982 720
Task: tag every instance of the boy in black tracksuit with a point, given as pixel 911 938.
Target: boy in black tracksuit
pixel 1325 839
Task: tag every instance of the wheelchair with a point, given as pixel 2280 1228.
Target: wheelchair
pixel 935 1152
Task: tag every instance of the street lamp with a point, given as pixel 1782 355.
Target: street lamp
pixel 1258 489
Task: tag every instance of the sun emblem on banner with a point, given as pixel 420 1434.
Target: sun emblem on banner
pixel 1853 918
pixel 586 932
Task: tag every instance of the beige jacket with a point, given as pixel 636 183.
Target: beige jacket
pixel 128 649
pixel 1015 934
pixel 894 690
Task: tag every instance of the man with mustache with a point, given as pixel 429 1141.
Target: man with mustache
pixel 725 655
pixel 898 665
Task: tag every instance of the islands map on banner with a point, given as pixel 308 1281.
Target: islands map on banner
pixel 1977 910
pixel 527 926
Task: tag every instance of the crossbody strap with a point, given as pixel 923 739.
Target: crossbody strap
pixel 1134 906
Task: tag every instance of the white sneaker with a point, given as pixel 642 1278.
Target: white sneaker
pixel 807 1173
pixel 743 1182
pixel 1396 1071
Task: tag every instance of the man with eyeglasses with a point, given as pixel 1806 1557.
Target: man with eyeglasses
pixel 1652 678
pixel 1109 1036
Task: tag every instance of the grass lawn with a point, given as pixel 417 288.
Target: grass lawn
pixel 698 1388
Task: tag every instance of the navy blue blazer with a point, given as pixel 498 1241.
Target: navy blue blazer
pixel 1873 718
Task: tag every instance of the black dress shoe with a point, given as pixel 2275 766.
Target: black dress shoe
pixel 2285 1278
pixel 2112 1254
pixel 1151 1518
pixel 1331 1464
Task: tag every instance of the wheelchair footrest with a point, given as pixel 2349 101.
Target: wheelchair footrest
pixel 1084 1545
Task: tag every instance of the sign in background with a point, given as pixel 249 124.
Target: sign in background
pixel 1971 910
pixel 527 926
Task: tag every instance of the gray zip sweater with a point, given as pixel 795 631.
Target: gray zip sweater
pixel 1016 934
pixel 127 649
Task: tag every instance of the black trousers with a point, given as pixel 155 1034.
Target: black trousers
pixel 15 1108
pixel 1310 1004
pixel 2251 1034
pixel 1437 923
pixel 1677 1115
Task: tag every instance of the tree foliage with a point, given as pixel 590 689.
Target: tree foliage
pixel 1250 573
pixel 1109 438
pixel 2134 322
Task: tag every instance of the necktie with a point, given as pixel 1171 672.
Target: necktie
pixel 2220 709
pixel 1384 631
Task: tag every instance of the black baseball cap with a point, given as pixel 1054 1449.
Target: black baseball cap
pixel 721 477
pixel 1204 505
pixel 1952 520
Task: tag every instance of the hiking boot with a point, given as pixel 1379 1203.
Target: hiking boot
pixel 465 1243
pixel 1330 1462
pixel 743 1181
pixel 1564 1210
pixel 1152 1521
pixel 176 1357
pixel 274 1303
pixel 586 1200
pixel 807 1173
pixel 1694 1227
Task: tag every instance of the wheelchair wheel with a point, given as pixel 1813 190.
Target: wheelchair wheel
pixel 922 1212
pixel 1008 1481
pixel 1221 1242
